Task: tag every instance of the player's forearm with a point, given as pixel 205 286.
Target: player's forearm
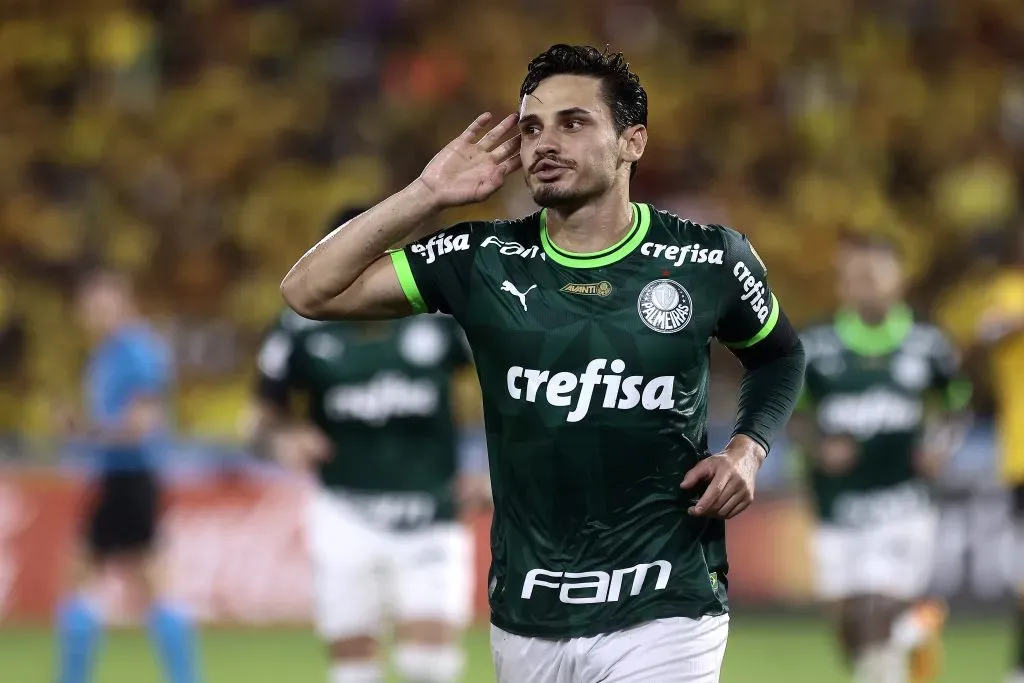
pixel 768 393
pixel 328 269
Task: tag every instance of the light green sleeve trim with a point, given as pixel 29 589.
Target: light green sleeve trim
pixel 400 261
pixel 958 394
pixel 769 325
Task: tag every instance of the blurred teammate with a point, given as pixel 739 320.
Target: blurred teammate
pixel 126 423
pixel 382 526
pixel 872 375
pixel 590 324
pixel 1001 330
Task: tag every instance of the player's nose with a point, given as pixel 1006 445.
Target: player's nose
pixel 547 144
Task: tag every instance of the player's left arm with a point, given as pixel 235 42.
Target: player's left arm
pixel 948 417
pixel 752 325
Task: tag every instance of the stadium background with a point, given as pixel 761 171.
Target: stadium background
pixel 200 145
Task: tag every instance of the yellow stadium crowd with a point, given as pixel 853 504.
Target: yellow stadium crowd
pixel 201 144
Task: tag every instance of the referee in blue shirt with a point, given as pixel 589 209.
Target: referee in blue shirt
pixel 126 387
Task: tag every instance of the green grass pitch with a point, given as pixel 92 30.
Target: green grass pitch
pixel 761 650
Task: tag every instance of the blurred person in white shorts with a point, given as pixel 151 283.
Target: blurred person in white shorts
pixel 882 408
pixel 383 532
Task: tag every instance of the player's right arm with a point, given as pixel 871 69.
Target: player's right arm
pixel 271 428
pixel 348 274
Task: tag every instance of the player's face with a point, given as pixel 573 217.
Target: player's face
pixel 101 306
pixel 570 149
pixel 869 279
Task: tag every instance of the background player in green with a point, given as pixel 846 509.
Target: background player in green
pixel 872 373
pixel 380 433
pixel 590 324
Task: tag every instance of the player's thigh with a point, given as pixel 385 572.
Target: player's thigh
pixel 345 555
pixel 432 575
pixel 899 555
pixel 675 650
pixel 518 659
pixel 833 549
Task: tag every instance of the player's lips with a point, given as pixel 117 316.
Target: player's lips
pixel 546 169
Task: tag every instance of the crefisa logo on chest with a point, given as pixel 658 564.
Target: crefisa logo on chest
pixel 665 306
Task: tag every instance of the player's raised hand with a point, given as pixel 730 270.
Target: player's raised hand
pixel 731 477
pixel 474 165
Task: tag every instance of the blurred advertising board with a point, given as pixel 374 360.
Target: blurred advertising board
pixel 234 549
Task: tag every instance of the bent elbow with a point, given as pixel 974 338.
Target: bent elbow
pixel 300 299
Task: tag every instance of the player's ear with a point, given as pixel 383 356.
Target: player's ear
pixel 634 142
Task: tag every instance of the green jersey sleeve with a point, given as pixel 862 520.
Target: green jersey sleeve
pixel 748 309
pixel 435 271
pixel 946 372
pixel 274 377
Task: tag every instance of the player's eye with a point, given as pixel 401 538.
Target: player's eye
pixel 574 124
pixel 529 130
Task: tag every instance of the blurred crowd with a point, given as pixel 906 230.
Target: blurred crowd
pixel 201 144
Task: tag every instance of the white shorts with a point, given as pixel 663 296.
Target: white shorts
pixel 362 573
pixel 894 558
pixel 675 650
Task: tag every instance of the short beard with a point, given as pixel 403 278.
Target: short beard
pixel 551 197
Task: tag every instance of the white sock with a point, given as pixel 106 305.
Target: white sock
pixel 881 664
pixel 429 663
pixel 908 632
pixel 355 672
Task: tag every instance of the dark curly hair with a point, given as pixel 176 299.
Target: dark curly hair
pixel 620 87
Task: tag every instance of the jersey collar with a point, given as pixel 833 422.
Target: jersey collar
pixel 874 340
pixel 618 251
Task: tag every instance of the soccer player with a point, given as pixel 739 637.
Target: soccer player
pixel 127 383
pixel 590 324
pixel 1001 333
pixel 382 524
pixel 883 399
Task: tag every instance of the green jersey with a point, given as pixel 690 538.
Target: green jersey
pixel 594 374
pixel 382 393
pixel 872 384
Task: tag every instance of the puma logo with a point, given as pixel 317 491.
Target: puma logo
pixel 507 286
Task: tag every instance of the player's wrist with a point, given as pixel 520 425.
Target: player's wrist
pixel 743 446
pixel 420 194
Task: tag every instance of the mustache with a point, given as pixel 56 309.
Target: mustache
pixel 567 163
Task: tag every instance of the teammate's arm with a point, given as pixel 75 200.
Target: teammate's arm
pixel 947 423
pixel 833 454
pixel 347 275
pixel 753 326
pixel 272 430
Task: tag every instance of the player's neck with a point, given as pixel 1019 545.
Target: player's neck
pixel 118 326
pixel 592 227
pixel 876 316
